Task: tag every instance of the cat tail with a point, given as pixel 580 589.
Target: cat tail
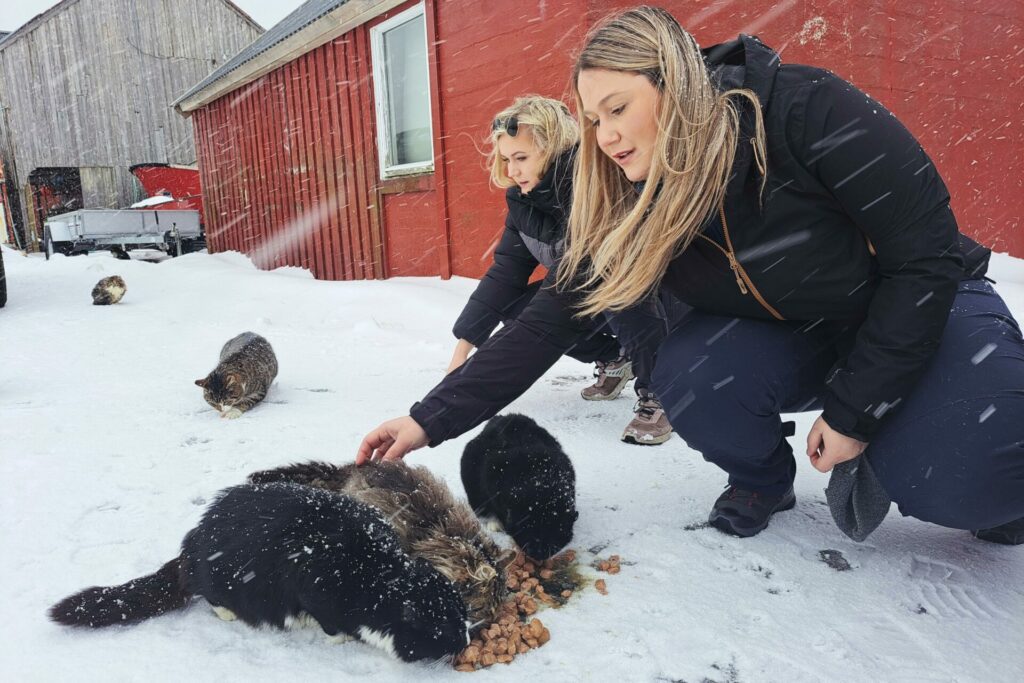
pixel 132 602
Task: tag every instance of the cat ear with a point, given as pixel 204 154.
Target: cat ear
pixel 201 382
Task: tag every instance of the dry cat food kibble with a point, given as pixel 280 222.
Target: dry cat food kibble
pixel 551 582
pixel 611 565
pixel 531 584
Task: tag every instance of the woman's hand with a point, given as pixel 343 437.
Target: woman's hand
pixel 391 441
pixel 827 448
pixel 462 350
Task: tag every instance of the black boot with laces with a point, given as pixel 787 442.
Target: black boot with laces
pixel 746 513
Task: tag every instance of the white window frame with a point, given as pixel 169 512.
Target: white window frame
pixel 388 170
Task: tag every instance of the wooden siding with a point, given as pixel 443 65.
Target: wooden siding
pixel 288 166
pixel 91 86
pixel 944 67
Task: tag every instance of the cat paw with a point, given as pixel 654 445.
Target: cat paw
pixel 224 613
pixel 232 414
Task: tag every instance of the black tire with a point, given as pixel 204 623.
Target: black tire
pixel 3 281
pixel 48 244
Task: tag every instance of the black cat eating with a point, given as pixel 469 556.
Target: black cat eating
pixel 276 553
pixel 515 471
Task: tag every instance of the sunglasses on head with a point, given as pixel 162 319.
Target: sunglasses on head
pixel 509 125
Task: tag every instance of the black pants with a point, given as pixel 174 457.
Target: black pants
pixel 951 454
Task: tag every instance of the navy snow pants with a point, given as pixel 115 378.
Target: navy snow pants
pixel 951 454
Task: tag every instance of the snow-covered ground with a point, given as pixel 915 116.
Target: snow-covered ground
pixel 108 455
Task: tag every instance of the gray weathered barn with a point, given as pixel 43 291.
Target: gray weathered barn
pixel 86 90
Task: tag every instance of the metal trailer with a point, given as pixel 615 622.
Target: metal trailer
pixel 82 231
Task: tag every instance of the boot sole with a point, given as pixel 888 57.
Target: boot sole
pixel 722 522
pixel 655 441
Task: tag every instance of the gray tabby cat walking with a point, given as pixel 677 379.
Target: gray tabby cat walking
pixel 241 379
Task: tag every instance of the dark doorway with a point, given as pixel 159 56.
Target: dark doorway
pixel 55 191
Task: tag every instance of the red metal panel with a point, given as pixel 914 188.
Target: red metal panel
pixel 325 163
pixel 264 188
pixel 357 156
pixel 281 166
pixel 341 270
pixel 318 167
pixel 240 112
pixel 349 152
pixel 944 67
pixel 299 91
pixel 255 188
pixel 295 163
pixel 412 244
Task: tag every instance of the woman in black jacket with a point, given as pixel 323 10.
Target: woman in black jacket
pixel 533 151
pixel 814 239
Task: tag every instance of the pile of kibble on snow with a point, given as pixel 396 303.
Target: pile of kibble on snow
pixel 531 585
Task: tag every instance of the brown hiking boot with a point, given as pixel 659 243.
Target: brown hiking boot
pixel 611 380
pixel 650 427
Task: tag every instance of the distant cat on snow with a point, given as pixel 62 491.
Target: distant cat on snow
pixel 108 291
pixel 281 553
pixel 247 368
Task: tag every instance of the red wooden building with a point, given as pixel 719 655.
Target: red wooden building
pixel 346 139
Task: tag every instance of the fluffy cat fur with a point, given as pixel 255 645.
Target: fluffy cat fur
pixel 430 523
pixel 271 554
pixel 515 471
pixel 243 376
pixel 108 291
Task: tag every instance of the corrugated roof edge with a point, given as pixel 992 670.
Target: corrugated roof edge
pixel 305 15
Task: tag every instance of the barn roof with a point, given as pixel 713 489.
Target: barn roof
pixel 314 23
pixel 8 38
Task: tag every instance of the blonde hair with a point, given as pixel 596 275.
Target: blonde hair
pixel 550 122
pixel 620 244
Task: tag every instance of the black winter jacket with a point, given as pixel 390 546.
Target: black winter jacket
pixel 845 179
pixel 534 234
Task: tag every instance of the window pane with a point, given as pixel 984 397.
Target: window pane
pixel 405 68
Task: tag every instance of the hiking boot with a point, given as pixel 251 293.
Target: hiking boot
pixel 1011 533
pixel 611 380
pixel 746 513
pixel 650 427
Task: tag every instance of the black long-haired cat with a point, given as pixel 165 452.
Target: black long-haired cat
pixel 276 553
pixel 516 471
pixel 430 522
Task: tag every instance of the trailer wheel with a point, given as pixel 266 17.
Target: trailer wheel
pixel 3 282
pixel 47 243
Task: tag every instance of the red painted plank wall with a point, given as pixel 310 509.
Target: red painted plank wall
pixel 288 163
pixel 273 154
pixel 948 69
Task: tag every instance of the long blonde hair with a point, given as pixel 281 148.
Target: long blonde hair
pixel 550 122
pixel 620 244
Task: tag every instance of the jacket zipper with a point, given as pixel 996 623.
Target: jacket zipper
pixel 743 280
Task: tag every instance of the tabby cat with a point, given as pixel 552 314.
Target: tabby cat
pixel 241 379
